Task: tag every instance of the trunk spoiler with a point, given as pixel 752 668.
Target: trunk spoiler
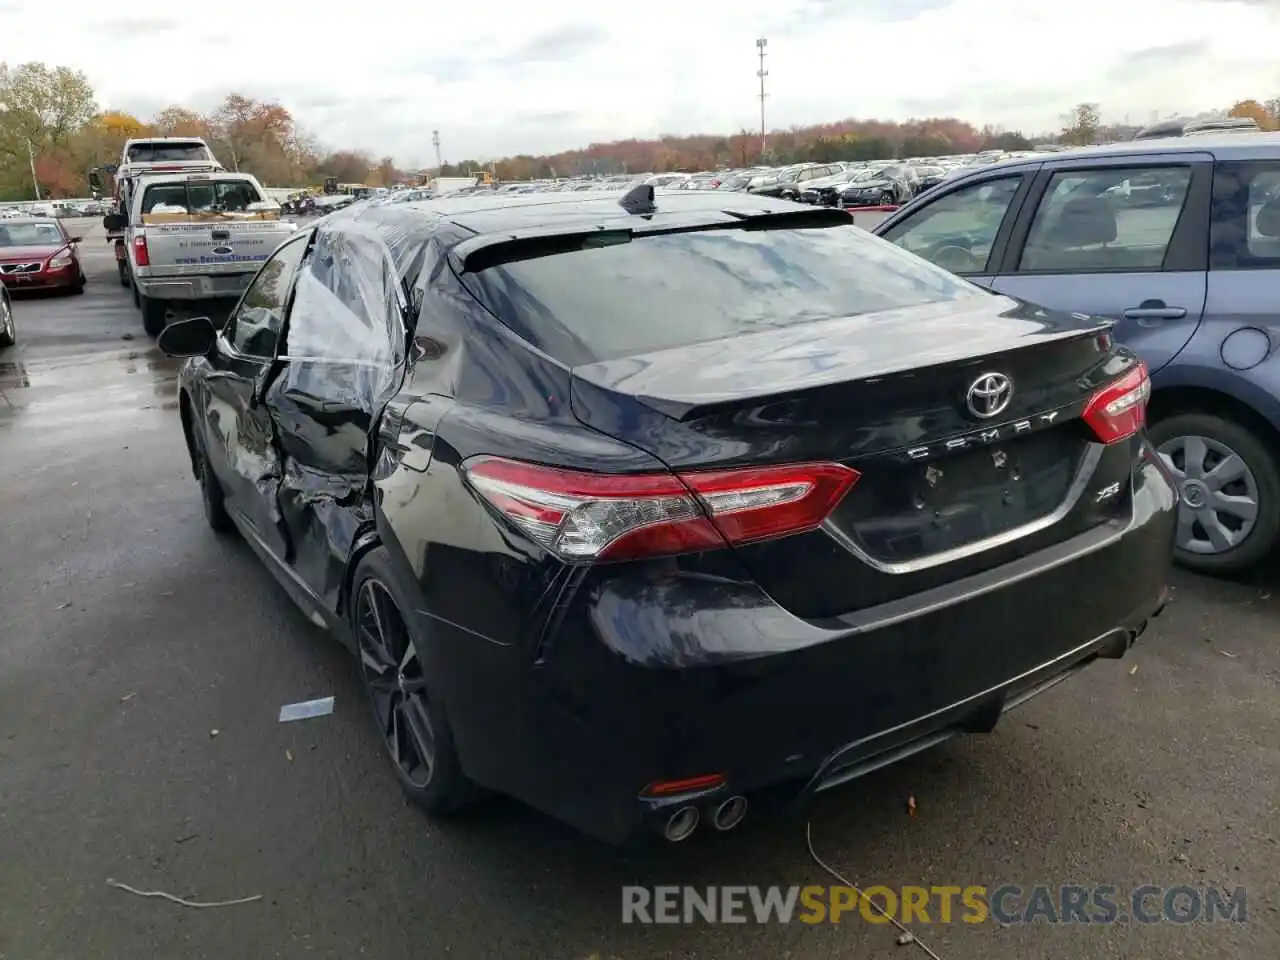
pixel 494 249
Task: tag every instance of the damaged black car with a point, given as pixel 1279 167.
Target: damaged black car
pixel 635 508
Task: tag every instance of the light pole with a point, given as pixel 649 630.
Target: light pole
pixel 435 142
pixel 762 73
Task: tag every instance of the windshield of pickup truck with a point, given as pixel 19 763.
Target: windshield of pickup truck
pixel 196 196
pixel 171 152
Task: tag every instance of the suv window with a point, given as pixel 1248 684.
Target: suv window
pixel 958 229
pixel 1107 218
pixel 659 292
pixel 255 326
pixel 1245 227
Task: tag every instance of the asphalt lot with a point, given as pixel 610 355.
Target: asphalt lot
pixel 143 663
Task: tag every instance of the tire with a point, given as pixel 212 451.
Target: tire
pixel 8 330
pixel 211 494
pixel 137 297
pixel 1180 439
pixel 79 287
pixel 154 313
pixel 123 270
pixel 400 696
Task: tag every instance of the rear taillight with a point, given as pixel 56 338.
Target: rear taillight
pixel 140 252
pixel 592 516
pixel 1119 409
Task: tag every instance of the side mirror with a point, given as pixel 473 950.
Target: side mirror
pixel 192 337
pixel 74 239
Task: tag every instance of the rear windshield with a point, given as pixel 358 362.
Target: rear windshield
pixel 167 152
pixel 659 292
pixel 200 196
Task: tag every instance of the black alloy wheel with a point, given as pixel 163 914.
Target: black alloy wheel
pixel 412 724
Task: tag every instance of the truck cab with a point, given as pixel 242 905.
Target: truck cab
pixel 197 236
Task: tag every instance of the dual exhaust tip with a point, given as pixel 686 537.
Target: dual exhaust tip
pixel 727 815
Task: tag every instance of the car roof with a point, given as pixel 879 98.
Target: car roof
pixel 27 221
pixel 478 214
pixel 1222 146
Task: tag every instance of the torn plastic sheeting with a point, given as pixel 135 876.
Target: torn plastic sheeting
pixel 306 710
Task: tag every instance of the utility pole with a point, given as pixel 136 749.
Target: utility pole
pixel 435 142
pixel 31 156
pixel 762 73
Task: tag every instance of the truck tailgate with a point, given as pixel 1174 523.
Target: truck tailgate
pixel 226 247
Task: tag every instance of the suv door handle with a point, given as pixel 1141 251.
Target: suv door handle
pixel 1155 313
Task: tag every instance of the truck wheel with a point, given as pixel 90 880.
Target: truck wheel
pixel 154 313
pixel 137 297
pixel 124 273
pixel 1229 517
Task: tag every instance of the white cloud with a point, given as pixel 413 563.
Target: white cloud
pixel 505 76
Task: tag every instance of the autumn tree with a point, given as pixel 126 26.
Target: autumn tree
pixel 1080 126
pixel 43 109
pixel 349 166
pixel 178 121
pixel 1255 111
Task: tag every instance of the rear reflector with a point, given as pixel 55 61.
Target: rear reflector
pixel 1119 410
pixel 592 516
pixel 667 788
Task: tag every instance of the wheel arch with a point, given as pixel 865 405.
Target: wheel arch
pixel 1186 398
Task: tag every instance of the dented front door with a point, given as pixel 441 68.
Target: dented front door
pixel 241 436
pixel 340 363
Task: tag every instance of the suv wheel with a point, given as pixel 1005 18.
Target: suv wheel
pixel 1229 516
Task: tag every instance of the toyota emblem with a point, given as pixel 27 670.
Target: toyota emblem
pixel 989 395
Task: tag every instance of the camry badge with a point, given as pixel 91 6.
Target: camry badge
pixel 989 395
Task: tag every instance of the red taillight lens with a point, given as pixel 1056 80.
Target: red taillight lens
pixel 140 253
pixel 1119 409
pixel 591 516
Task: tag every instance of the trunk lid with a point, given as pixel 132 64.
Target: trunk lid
pixel 943 491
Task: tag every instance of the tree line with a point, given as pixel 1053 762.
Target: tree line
pixel 52 124
pixel 52 128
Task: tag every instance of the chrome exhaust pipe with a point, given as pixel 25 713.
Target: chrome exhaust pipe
pixel 730 813
pixel 681 824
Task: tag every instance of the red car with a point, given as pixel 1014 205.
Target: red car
pixel 38 254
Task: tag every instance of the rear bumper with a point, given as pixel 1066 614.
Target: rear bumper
pixel 659 676
pixel 195 288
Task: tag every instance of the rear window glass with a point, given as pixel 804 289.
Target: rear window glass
pixel 659 292
pixel 200 196
pixel 170 152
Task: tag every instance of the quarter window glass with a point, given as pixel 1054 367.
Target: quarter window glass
pixel 957 230
pixel 255 328
pixel 1264 215
pixel 1108 219
pixel 1245 228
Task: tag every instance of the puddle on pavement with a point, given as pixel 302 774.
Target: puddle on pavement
pixel 119 381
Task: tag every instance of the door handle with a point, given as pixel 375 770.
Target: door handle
pixel 1155 313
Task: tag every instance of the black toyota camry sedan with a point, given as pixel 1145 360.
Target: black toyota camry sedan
pixel 633 507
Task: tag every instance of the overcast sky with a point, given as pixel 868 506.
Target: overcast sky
pixel 508 76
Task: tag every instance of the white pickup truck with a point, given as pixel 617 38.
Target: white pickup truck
pixel 197 236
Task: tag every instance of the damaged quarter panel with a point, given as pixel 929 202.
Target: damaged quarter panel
pixel 342 360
